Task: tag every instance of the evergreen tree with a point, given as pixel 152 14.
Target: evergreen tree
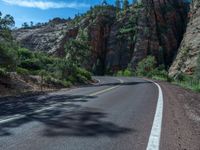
pixel 104 2
pixel 78 50
pixel 6 22
pixel 125 4
pixel 118 4
pixel 31 24
pixel 25 25
pixel 8 53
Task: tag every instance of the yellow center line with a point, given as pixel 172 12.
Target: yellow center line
pixel 106 90
pixel 15 117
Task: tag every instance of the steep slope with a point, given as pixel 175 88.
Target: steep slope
pixel 154 27
pixel 189 50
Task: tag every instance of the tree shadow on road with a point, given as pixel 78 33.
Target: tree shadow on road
pixel 84 122
pixel 25 105
pixel 65 120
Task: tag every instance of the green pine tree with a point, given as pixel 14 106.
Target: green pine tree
pixel 118 4
pixel 125 4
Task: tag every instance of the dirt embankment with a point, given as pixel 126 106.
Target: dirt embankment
pixel 15 84
pixel 181 118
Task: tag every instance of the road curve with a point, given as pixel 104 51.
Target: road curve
pixel 114 114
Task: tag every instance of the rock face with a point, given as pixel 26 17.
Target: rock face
pixel 160 30
pixel 154 27
pixel 189 50
pixel 48 38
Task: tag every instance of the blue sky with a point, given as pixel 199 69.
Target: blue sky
pixel 43 10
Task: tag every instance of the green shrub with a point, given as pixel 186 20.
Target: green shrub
pixel 48 79
pixel 25 54
pixel 31 64
pixel 146 67
pixel 197 71
pixel 3 72
pixel 160 72
pixel 81 79
pixel 180 77
pixel 72 79
pixel 119 73
pixel 8 56
pixel 67 83
pixel 22 71
pixel 85 73
pixel 190 83
pixel 127 73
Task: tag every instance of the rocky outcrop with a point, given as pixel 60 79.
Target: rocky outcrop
pixel 47 38
pixel 189 50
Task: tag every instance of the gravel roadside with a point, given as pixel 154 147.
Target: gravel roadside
pixel 181 118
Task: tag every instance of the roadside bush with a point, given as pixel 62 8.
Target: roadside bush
pixel 120 73
pixel 146 67
pixel 72 79
pixel 197 71
pixel 180 77
pixel 188 82
pixel 25 54
pixel 70 72
pixel 127 73
pixel 80 78
pixel 31 64
pixel 22 71
pixel 8 57
pixel 84 73
pixel 56 82
pixel 160 73
pixel 3 72
pixel 67 83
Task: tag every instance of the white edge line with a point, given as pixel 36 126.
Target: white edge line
pixel 154 138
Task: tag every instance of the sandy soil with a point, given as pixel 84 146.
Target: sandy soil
pixel 181 118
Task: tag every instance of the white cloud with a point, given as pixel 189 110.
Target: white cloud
pixel 41 4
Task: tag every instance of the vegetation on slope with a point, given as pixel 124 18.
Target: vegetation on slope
pixel 147 68
pixel 52 70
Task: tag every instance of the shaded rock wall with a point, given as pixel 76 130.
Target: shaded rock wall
pixel 160 30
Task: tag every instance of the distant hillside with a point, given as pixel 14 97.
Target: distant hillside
pixel 116 37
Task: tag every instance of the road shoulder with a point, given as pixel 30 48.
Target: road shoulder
pixel 181 118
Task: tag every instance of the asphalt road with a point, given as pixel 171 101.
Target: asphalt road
pixel 115 114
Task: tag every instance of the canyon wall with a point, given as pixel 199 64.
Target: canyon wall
pixel 189 51
pixel 117 39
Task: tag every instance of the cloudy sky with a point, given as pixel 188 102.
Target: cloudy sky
pixel 43 10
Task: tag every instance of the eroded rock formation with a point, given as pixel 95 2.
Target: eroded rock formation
pixel 189 51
